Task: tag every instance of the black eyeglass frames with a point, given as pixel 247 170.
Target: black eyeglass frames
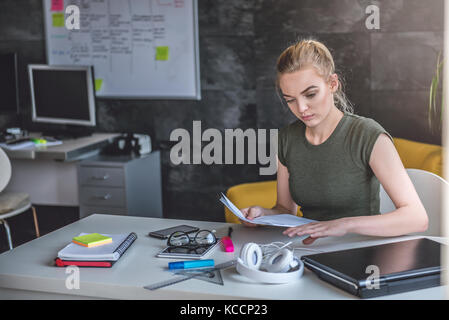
pixel 200 239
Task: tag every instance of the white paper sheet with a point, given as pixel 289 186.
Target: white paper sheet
pixel 280 220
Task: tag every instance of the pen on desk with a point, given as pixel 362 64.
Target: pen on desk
pixel 228 246
pixel 190 264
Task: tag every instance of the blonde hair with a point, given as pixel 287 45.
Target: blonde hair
pixel 310 52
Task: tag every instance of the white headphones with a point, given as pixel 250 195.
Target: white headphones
pixel 281 266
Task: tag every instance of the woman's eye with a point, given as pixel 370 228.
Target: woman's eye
pixel 310 95
pixel 290 101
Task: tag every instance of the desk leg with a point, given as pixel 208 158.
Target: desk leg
pixel 36 225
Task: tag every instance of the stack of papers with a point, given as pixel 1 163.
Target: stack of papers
pixel 31 144
pixel 18 146
pixel 280 220
pixel 47 143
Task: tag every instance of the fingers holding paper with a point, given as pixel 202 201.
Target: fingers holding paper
pixel 315 230
pixel 263 216
pixel 251 213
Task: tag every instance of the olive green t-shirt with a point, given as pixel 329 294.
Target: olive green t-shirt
pixel 332 180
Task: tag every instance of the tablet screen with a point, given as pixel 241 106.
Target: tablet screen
pixel 181 252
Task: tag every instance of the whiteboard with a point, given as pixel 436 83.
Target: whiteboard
pixel 139 48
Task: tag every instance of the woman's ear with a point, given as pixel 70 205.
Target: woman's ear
pixel 333 82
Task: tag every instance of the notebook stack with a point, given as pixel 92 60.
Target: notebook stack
pixel 103 256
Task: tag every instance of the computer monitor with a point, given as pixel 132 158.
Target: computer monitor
pixel 9 93
pixel 62 94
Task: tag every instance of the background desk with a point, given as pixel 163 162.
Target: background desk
pixel 28 271
pixel 49 174
pixel 70 150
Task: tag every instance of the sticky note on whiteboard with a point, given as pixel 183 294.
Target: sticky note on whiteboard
pixel 58 20
pixel 57 5
pixel 162 53
pixel 98 84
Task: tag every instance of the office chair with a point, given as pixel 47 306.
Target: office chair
pixel 429 187
pixel 12 203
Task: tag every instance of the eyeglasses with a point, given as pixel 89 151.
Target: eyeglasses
pixel 202 238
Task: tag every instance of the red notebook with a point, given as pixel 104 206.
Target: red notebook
pixel 98 264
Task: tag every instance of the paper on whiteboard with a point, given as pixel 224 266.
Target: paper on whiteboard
pixel 280 220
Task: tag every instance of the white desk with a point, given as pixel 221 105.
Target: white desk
pixel 28 271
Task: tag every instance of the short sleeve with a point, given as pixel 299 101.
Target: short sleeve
pixel 282 145
pixel 364 135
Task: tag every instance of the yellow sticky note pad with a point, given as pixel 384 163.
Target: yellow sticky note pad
pixel 92 240
pixel 162 53
pixel 58 20
pixel 98 84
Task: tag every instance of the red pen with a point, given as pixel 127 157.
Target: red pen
pixel 228 246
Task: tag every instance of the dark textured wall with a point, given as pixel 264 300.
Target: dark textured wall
pixel 387 73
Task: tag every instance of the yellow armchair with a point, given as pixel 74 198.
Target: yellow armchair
pixel 413 154
pixel 417 155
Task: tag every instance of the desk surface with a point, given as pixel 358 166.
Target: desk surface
pixel 28 270
pixel 70 150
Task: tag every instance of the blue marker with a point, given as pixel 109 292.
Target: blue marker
pixel 190 264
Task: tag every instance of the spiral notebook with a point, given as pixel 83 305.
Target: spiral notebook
pixel 108 252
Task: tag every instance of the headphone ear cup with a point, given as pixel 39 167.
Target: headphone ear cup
pixel 280 261
pixel 294 263
pixel 251 255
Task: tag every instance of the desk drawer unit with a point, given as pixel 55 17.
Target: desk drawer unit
pixel 124 185
pixel 103 177
pixel 102 197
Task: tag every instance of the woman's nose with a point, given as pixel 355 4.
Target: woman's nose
pixel 302 106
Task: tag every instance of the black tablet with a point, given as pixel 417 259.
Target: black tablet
pixel 165 233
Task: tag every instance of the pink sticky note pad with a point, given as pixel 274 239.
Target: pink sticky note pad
pixel 57 5
pixel 228 246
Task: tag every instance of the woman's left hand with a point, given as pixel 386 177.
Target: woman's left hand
pixel 315 230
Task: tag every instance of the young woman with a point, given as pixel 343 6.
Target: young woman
pixel 330 161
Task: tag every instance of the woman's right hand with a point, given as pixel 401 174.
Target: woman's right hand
pixel 251 213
